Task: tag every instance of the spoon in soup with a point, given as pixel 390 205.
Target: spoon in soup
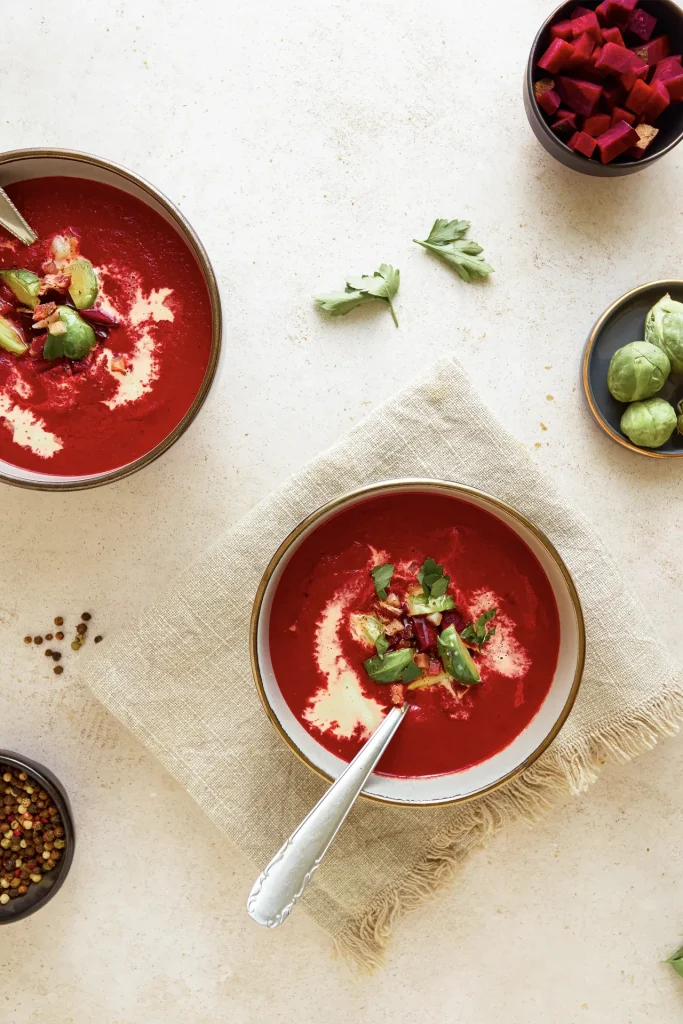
pixel 12 221
pixel 282 883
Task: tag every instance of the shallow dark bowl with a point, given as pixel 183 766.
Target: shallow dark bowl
pixel 669 21
pixel 622 322
pixel 38 895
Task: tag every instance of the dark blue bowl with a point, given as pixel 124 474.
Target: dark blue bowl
pixel 622 322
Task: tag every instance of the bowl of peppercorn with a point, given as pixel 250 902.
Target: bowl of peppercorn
pixel 36 836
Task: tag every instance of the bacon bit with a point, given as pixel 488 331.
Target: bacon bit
pixel 43 310
pixel 434 668
pixel 422 661
pixel 119 364
pixel 50 267
pixel 397 692
pixel 37 345
pixel 55 282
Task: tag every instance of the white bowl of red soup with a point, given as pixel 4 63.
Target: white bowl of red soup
pixel 430 593
pixel 110 323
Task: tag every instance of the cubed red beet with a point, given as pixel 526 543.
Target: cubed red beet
pixel 641 24
pixel 654 51
pixel 612 95
pixel 618 12
pixel 565 121
pixel 557 56
pixel 425 633
pixel 639 97
pixel 453 618
pixel 674 87
pixel 613 35
pixel 583 48
pixel 629 78
pixel 549 100
pixel 619 114
pixel 616 140
pixel 617 59
pixel 658 102
pixel 670 67
pixel 646 136
pixel 562 30
pixel 588 23
pixel 596 124
pixel 579 12
pixel 583 143
pixel 579 95
pixel 601 11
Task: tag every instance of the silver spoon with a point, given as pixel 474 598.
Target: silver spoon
pixel 278 888
pixel 12 221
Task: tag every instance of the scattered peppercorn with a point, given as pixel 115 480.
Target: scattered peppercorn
pixel 59 636
pixel 49 636
pixel 81 628
pixel 98 639
pixel 27 852
pixel 28 639
pixel 59 621
pixel 38 640
pixel 48 653
pixel 86 616
pixel 56 656
pixel 58 669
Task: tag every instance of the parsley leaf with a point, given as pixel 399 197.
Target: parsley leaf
pixel 382 645
pixel 410 673
pixel 433 579
pixel 447 240
pixel 383 284
pixel 381 576
pixel 478 632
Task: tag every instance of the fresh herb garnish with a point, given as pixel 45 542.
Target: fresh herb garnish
pixel 478 632
pixel 676 961
pixel 433 579
pixel 410 673
pixel 381 576
pixel 447 240
pixel 383 284
pixel 382 645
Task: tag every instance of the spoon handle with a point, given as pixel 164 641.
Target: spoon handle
pixel 12 221
pixel 278 888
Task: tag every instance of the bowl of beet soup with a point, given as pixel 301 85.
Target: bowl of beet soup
pixel 110 324
pixel 427 592
pixel 606 98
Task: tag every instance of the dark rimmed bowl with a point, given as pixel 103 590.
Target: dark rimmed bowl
pixel 670 22
pixel 622 322
pixel 38 895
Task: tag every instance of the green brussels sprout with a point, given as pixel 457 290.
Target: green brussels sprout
pixel 83 286
pixel 24 283
pixel 679 422
pixel 74 340
pixel 664 328
pixel 637 371
pixel 649 424
pixel 10 338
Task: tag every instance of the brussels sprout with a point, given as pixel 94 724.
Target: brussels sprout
pixel 679 422
pixel 10 339
pixel 74 340
pixel 650 423
pixel 24 283
pixel 637 371
pixel 664 328
pixel 83 286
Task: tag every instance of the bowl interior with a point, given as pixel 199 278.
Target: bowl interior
pixel 475 780
pixel 19 167
pixel 669 22
pixel 624 322
pixel 39 893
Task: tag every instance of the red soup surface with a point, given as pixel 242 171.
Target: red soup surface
pixel 83 417
pixel 318 653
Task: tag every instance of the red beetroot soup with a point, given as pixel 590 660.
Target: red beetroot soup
pixel 326 590
pixel 96 413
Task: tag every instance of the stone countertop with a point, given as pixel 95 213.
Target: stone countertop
pixel 306 141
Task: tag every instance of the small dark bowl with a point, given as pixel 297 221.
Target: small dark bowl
pixel 622 322
pixel 670 22
pixel 38 895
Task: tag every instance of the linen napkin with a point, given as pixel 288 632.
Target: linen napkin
pixel 180 677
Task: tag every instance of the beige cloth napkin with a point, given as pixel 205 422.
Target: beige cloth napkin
pixel 180 678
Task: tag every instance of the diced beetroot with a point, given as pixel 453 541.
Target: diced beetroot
pixel 403 638
pixel 579 95
pixel 596 125
pixel 629 78
pixel 613 35
pixel 618 12
pixel 612 95
pixel 617 59
pixel 557 56
pixel 583 48
pixel 37 345
pixel 583 143
pixel 5 306
pixel 670 67
pixel 646 136
pixel 453 618
pixel 588 23
pixel 674 87
pixel 601 11
pixel 639 97
pixel 425 633
pixel 98 316
pixel 562 30
pixel 566 122
pixel 658 102
pixel 546 96
pixel 579 12
pixel 80 365
pixel 616 140
pixel 619 114
pixel 654 51
pixel 641 24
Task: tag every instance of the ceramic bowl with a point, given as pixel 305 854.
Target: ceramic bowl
pixel 38 895
pixel 23 164
pixel 622 322
pixel 670 21
pixel 481 778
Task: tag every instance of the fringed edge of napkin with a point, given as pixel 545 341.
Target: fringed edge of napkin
pixel 573 769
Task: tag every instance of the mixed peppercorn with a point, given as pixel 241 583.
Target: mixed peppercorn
pixel 76 643
pixel 32 837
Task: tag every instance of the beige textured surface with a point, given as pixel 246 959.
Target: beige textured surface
pixel 335 133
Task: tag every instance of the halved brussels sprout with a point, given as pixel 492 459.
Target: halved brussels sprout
pixel 24 283
pixel 83 287
pixel 75 342
pixel 10 339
